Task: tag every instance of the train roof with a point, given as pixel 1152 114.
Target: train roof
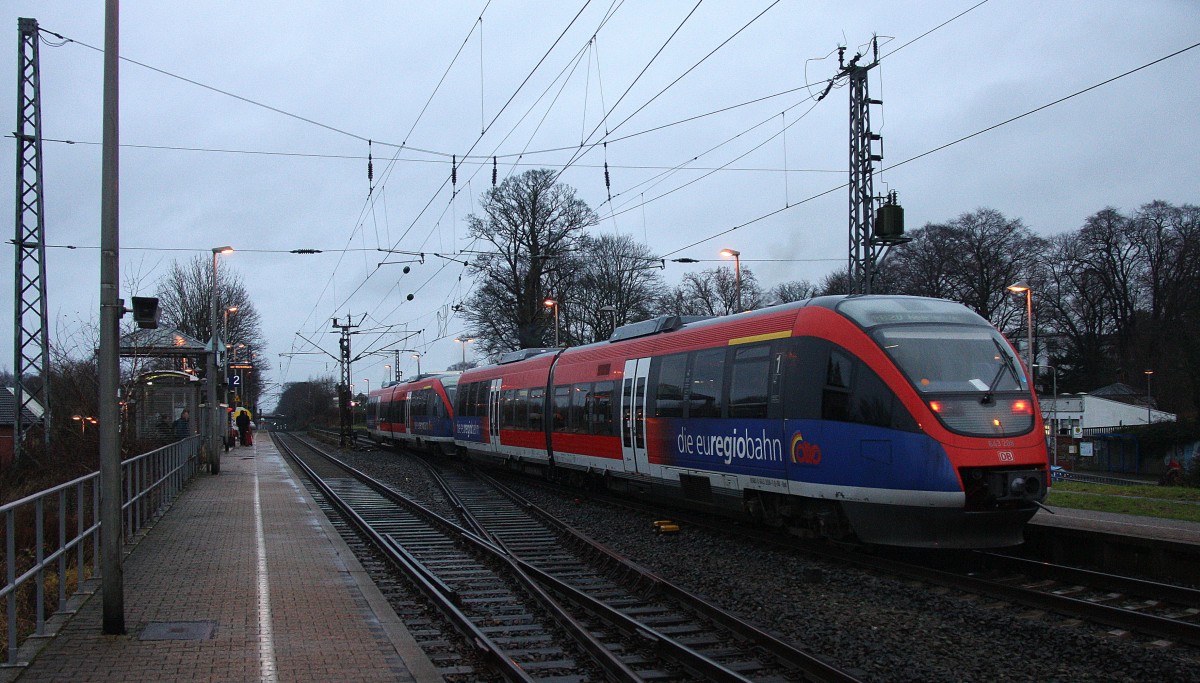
pixel 865 310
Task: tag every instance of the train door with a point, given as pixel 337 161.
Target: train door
pixel 633 415
pixel 494 415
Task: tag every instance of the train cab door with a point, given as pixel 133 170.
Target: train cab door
pixel 494 415
pixel 633 415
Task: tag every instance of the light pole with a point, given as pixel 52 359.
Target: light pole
pixel 612 310
pixel 464 341
pixel 225 326
pixel 417 355
pixel 737 274
pixel 1054 412
pixel 387 372
pixel 1020 287
pixel 214 456
pixel 1147 373
pixel 553 303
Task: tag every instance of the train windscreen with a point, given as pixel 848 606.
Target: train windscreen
pixel 968 375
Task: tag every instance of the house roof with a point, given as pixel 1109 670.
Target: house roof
pixel 8 407
pixel 163 342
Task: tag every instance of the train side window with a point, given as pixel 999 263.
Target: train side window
pixel 706 390
pixel 577 417
pixel 749 381
pixel 626 411
pixel 835 398
pixel 460 399
pixel 478 405
pixel 668 391
pixel 601 409
pixel 436 408
pixel 562 405
pixel 508 400
pixel 521 416
pixel 536 399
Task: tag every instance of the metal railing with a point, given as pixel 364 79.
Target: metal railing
pixel 149 483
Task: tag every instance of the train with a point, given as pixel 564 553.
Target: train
pixel 889 420
pixel 416 413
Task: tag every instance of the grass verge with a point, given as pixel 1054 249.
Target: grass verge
pixel 1165 502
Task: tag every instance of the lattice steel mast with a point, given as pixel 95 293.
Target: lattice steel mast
pixel 869 236
pixel 30 322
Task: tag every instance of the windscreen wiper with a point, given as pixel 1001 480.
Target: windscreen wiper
pixel 1007 364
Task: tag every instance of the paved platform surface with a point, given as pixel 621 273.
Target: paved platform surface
pixel 246 558
pixel 1128 525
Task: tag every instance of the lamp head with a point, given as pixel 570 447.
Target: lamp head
pixel 550 302
pixel 730 252
pixel 223 250
pixel 1019 287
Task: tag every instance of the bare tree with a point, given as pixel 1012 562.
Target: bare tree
pixel 306 403
pixel 794 290
pixel 533 225
pixel 712 292
pixel 618 281
pixel 185 295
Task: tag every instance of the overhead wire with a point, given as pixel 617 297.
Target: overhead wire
pixel 946 145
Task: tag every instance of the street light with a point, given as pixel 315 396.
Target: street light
pixel 225 326
pixel 464 341
pixel 548 303
pixel 1020 287
pixel 368 381
pixel 213 369
pixel 737 272
pixel 1147 373
pixel 612 310
pixel 1054 413
pixel 417 355
pixel 387 372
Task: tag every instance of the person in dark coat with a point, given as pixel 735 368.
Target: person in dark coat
pixel 243 425
pixel 182 429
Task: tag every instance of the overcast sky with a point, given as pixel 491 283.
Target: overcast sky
pixel 266 180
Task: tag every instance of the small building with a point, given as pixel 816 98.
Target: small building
pixel 1086 430
pixel 157 399
pixel 1075 412
pixel 32 414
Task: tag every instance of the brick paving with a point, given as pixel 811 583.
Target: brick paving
pixel 201 562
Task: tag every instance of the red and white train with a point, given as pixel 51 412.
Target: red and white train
pixel 416 413
pixel 894 420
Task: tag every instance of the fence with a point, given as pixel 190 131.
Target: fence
pixel 149 483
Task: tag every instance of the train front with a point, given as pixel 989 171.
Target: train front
pixel 971 395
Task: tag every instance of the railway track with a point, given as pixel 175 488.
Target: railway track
pixel 1166 612
pixel 542 608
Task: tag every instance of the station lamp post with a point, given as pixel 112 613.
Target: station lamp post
pixel 1054 412
pixel 1021 287
pixel 548 303
pixel 464 341
pixel 612 311
pixel 417 355
pixel 737 274
pixel 225 325
pixel 387 372
pixel 1147 373
pixel 214 369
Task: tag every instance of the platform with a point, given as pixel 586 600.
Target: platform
pixel 243 579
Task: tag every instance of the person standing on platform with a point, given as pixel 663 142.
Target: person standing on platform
pixel 182 427
pixel 243 425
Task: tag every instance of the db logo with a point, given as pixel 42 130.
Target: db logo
pixel 803 452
